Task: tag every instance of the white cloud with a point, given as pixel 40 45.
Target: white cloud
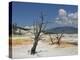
pixel 73 15
pixel 66 18
pixel 62 12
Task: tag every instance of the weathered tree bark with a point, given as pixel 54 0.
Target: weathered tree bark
pixel 33 49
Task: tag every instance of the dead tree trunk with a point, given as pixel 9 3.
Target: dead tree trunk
pixel 33 49
pixel 58 42
pixel 37 31
pixel 51 39
pixel 59 39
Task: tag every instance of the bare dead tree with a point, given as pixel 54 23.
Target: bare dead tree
pixel 51 39
pixel 59 38
pixel 38 27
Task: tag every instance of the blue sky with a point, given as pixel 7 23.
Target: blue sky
pixel 25 13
